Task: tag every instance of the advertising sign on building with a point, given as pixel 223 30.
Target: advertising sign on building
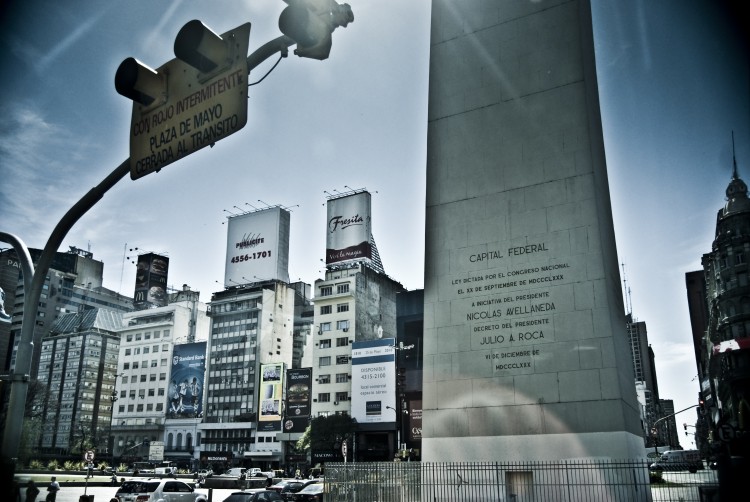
pixel 185 399
pixel 349 228
pixel 257 247
pixel 151 281
pixel 374 381
pixel 415 420
pixel 299 383
pixel 271 389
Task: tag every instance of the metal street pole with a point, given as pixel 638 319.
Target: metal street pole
pixel 32 293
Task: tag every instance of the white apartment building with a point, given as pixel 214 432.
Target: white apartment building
pixel 353 303
pixel 147 340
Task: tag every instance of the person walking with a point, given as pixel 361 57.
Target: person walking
pixel 52 490
pixel 31 491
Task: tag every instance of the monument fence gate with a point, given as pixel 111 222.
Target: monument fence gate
pixel 564 481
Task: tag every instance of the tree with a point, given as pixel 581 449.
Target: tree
pixel 327 433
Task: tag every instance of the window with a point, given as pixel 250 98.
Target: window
pixel 152 377
pixel 326 290
pixel 159 406
pixel 151 392
pixel 127 352
pixel 129 338
pixel 324 397
pixel 342 359
pixel 325 326
pixel 342 377
pixel 344 324
pixel 342 288
pixel 132 394
pixel 342 342
pixel 342 396
pixel 135 366
pixel 146 350
pixel 324 361
pixel 162 376
pixel 160 392
pixel 143 378
pixel 325 344
pixel 324 379
pixel 326 309
pixel 342 307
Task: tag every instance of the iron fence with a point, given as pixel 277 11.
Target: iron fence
pixel 563 481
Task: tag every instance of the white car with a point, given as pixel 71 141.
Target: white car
pixel 153 490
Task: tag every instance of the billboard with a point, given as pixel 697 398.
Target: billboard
pixel 374 381
pixel 349 228
pixel 257 247
pixel 185 395
pixel 299 384
pixel 271 389
pixel 151 281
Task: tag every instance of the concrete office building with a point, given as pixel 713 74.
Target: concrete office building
pixel 78 365
pixel 73 284
pixel 251 325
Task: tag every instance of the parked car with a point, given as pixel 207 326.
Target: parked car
pixel 287 487
pixel 153 490
pixel 311 493
pixel 259 496
pixel 206 473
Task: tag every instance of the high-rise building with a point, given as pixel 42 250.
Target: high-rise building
pixel 725 379
pixel 645 378
pixel 148 340
pixel 257 330
pixel 73 284
pixel 78 367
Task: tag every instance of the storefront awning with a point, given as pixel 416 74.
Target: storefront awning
pixel 261 454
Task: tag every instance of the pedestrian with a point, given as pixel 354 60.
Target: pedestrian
pixel 31 491
pixel 52 490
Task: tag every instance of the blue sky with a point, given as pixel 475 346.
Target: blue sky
pixel 673 83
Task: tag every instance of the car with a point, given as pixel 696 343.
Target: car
pixel 311 493
pixel 205 473
pixel 259 496
pixel 152 490
pixel 287 487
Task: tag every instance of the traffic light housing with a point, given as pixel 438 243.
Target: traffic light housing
pixel 401 379
pixel 310 24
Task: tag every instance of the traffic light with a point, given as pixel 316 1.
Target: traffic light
pixel 401 380
pixel 685 426
pixel 310 24
pixel 189 102
pixel 701 407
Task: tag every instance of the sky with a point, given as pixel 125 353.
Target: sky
pixel 673 78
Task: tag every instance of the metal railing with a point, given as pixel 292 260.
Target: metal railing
pixel 563 481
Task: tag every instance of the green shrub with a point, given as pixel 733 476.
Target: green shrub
pixel 69 465
pixel 36 464
pixel 53 465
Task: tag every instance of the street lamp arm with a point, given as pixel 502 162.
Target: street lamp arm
pixel 675 413
pixel 265 51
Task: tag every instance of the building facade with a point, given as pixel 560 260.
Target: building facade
pixel 354 303
pixel 725 381
pixel 77 366
pixel 252 325
pixel 147 341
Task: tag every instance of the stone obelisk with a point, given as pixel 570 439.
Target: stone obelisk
pixel 526 355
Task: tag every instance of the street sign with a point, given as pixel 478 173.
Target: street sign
pixel 198 109
pixel 88 455
pixel 156 451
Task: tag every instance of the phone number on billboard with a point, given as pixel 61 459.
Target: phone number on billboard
pixel 371 376
pixel 250 256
